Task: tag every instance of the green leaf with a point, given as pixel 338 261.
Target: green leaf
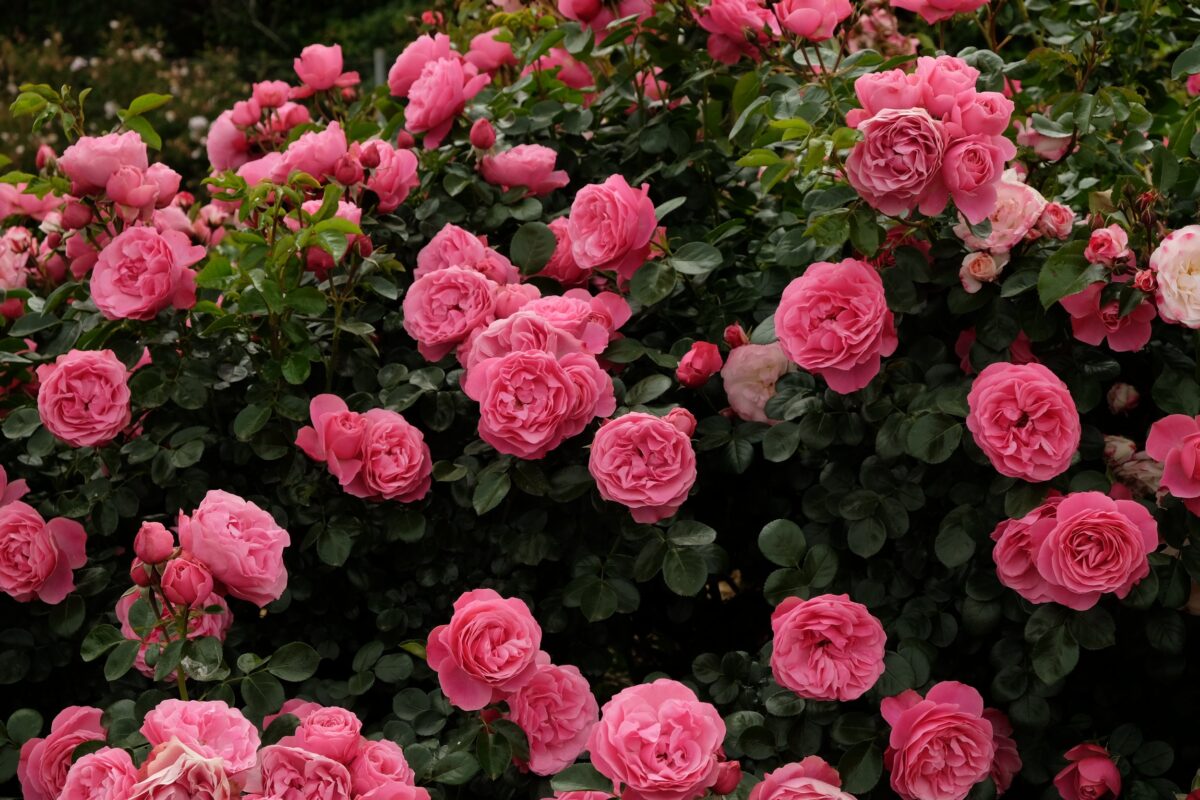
pixel 933 438
pixel 21 423
pixel 27 103
pixel 145 130
pixel 581 778
pixel 32 323
pixel 829 230
pixel 99 641
pixel 1067 272
pixel 652 283
pixel 1186 63
pixel 294 662
pixel 861 768
pixel 120 659
pixel 782 542
pixel 23 725
pixel 532 246
pixel 334 546
pixel 250 420
pixel 263 694
pixel 668 206
pixel 146 102
pixel 866 537
pixel 649 388
pixel 454 769
pixel 684 570
pixel 696 258
pixel 490 491
pixel 1055 655
pixel 67 616
pixel 308 300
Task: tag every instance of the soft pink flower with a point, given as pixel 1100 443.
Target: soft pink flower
pixel 979 268
pixel 421 51
pixel 443 307
pixel 1007 762
pixel 940 745
pixel 982 113
pixel 658 741
pixel 508 299
pixel 644 463
pixel 83 397
pixel 396 463
pixel 482 135
pixel 211 728
pixel 454 247
pixel 971 168
pixel 1193 84
pixel 1015 553
pixel 814 20
pixel 226 145
pixel 488 649
pixel 1174 263
pixel 562 266
pixel 572 73
pixel 699 363
pixel 45 762
pixel 892 89
pixel 591 319
pixel 1056 221
pixel 439 95
pixel 315 153
pixel 319 67
pixel 141 272
pixel 297 774
pixel 488 53
pixel 749 376
pixel 735 26
pixel 1024 419
pixel 334 437
pixel 1109 246
pixel 1018 208
pixel 1174 441
pixel 173 770
pixel 1122 398
pixel 557 711
pixel 809 779
pixel 1093 320
pixel 898 165
pixel 106 774
pixel 937 10
pixel 826 648
pixel 270 94
pixel 379 763
pixel 92 160
pixel 528 165
pixel 946 82
pixel 611 225
pixel 331 731
pixel 518 332
pixel 1090 774
pixel 186 582
pixel 300 709
pixel 394 176
pixel 240 543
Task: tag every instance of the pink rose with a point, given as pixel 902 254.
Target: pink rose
pixel 750 374
pixel 509 298
pixel 1045 147
pixel 878 91
pixel 315 153
pixel 572 73
pixel 940 746
pixel 1018 208
pixel 971 168
pixel 1090 774
pixel 1109 246
pixel 44 762
pixel 106 774
pixel 332 732
pixel 396 464
pixel 133 194
pixel 37 557
pixel 319 67
pixel 395 791
pixel 297 774
pixel 173 770
pixel 83 397
pixel 528 165
pixel 226 145
pixel 898 165
pixel 734 27
pixel 644 463
pixel 444 306
pixel 658 741
pixel 557 711
pixel 153 543
pixel 522 331
pixel 379 763
pixel 270 94
pixel 983 113
pixel 1193 84
pixel 142 271
pixel 1178 281
pixel 1092 322
pixel 439 95
pixel 811 19
pixel 1007 762
pixel 810 779
pixel 92 160
pixel 834 321
pixel 482 135
pixel 240 543
pixel 826 648
pixel 979 268
pixel 1024 420
pixel 421 51
pixel 210 728
pixel 1118 449
pixel 530 402
pixel 581 315
pixel 488 649
pixel 611 225
pixel 937 10
pixel 488 53
pixel 599 15
pixel 454 247
pixel 1056 221
pixel 394 176
pixel 699 363
pixel 946 83
pixel 334 437
pixel 186 582
pixel 1174 441
pixel 1015 552
pixel 300 709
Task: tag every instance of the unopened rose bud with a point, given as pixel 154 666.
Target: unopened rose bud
pixel 682 419
pixel 483 135
pixel 186 582
pixel 1122 398
pixel 369 156
pixel 698 365
pixel 364 246
pixel 1145 281
pixel 347 171
pixel 735 336
pixel 139 573
pixel 75 215
pixel 45 156
pixel 153 543
pixel 405 140
pixel 1118 450
pixel 729 775
pixel 246 113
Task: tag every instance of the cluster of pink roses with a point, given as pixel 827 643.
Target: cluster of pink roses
pixel 928 137
pixel 438 81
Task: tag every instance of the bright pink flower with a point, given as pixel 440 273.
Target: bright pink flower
pixel 334 437
pixel 699 363
pixel 1007 762
pixel 422 50
pixel 519 332
pixel 814 20
pixel 750 374
pixel 454 247
pixel 106 774
pixel 644 463
pixel 173 770
pixel 186 582
pixel 1015 552
pixel 316 153
pixel 379 763
pixel 83 397
pixel 946 82
pixel 396 464
pixel 439 95
pixel 1109 246
pixel 572 73
pixel 153 543
pixel 982 113
pixel 141 272
pixel 297 774
pixel 1092 322
pixel 92 160
pixel 488 53
pixel 509 298
pixel 331 731
pixel 319 67
pixel 482 135
pixel 528 165
pixel 300 709
pixel 809 779
pixel 735 27
pixel 394 176
pixel 44 762
pixel 211 728
pixel 1090 774
pixel 898 165
pixel 557 711
pixel 270 94
pixel 611 225
pixel 826 648
pixel 971 168
pixel 937 10
pixel 1174 440
pixel 591 320
pixel 562 266
pixel 1045 147
pixel 443 307
pixel 1056 221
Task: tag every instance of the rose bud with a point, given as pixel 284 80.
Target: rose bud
pixel 405 140
pixel 246 113
pixel 699 364
pixel 1145 281
pixel 682 419
pixel 1122 398
pixel 363 245
pixel 347 171
pixel 483 135
pixel 369 157
pixel 186 582
pixel 735 336
pixel 139 573
pixel 729 775
pixel 153 543
pixel 1118 450
pixel 75 215
pixel 45 156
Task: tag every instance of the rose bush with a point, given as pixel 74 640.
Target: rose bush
pixel 391 459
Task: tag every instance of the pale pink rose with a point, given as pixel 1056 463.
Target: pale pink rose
pixel 736 29
pixel 331 731
pixel 898 165
pixel 210 728
pixel 14 199
pixel 1090 774
pixel 45 762
pixel 444 306
pixel 488 649
pixel 658 741
pixel 488 53
pixel 240 543
pixel 1045 147
pixel 528 165
pixel 1176 266
pixel 315 153
pixel 644 463
pixel 454 247
pixel 92 160
pixel 1109 246
pixel 1015 553
pixel 1174 441
pixel 557 711
pixel 394 177
pixel 750 374
pixel 826 648
pixel 1093 323
pixel 982 113
pixel 1118 449
pixel 1007 762
pixel 270 94
pixel 106 774
pixel 141 272
pixel 396 463
pixel 200 624
pixel 1018 208
pixel 531 401
pixel 226 145
pixel 611 225
pixel 173 771
pixel 439 95
pixel 946 82
pixel 421 51
pixel 878 91
pixel 186 582
pixel 519 332
pixel 573 313
pixel 16 252
pixel 335 437
pixel 132 192
pixel 572 73
pixel 1024 420
pixel 508 299
pixel 834 321
pixel 83 397
pixel 297 774
pixel 814 20
pixel 319 67
pixel 937 10
pixel 979 268
pixel 809 779
pixel 971 168
pixel 379 763
pixel 940 745
pixel 1056 221
pixel 699 363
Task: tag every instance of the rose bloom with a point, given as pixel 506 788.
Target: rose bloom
pixel 598 15
pixel 557 711
pixel 979 268
pixel 454 247
pixel 509 298
pixel 334 437
pixel 319 67
pixel 937 10
pixel 330 731
pixel 834 321
pixel 571 73
pixel 1056 221
pixel 37 557
pixel 173 770
pixel 562 266
pixel 591 320
pixel 898 165
pixel 946 82
pixel 379 763
pixel 186 582
pixel 92 160
pixel 971 167
pixel 809 779
pixel 488 53
pixel 1193 89
pixel 940 746
pixel 142 271
pixel 315 153
pixel 749 377
pixel 300 709
pixel 1007 762
pixel 482 135
pixel 699 363
pixel 1174 441
pixel 240 543
pixel 826 648
pixel 83 397
pixel 297 774
pixel 106 774
pixel 1015 552
pixel 982 113
pixel 644 463
pixel 396 464
pixel 528 165
pixel 1108 246
pixel 1024 420
pixel 44 762
pixel 658 741
pixel 440 95
pixel 812 19
pixel 1018 208
pixel 1090 774
pixel 520 332
pixel 443 307
pixel 879 91
pixel 422 50
pixel 733 25
pixel 1092 322
pixel 394 177
pixel 1176 266
pixel 530 402
pixel 488 649
pixel 611 225
pixel 212 728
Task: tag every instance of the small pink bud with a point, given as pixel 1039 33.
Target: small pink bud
pixel 45 156
pixel 682 419
pixel 483 135
pixel 735 336
pixel 347 171
pixel 139 573
pixel 186 581
pixel 405 140
pixel 1122 398
pixel 75 215
pixel 729 775
pixel 153 543
pixel 1145 280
